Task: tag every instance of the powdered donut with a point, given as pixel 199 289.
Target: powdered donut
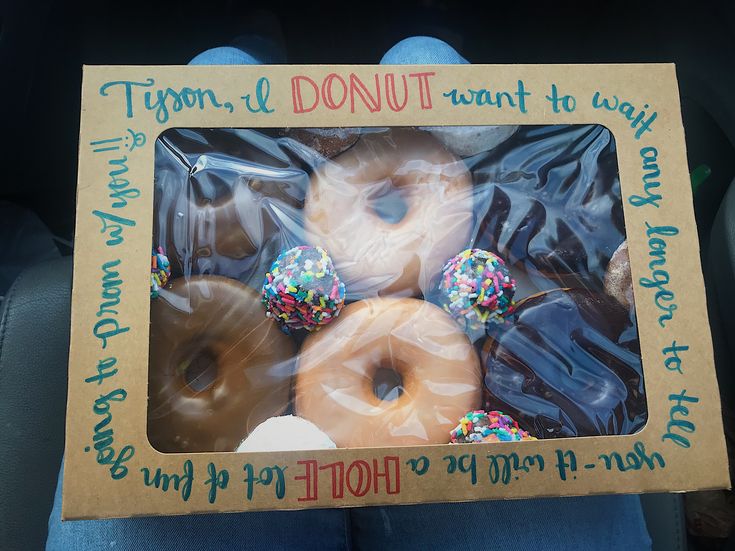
pixel 438 367
pixel 618 280
pixel 390 211
pixel 465 141
pixel 209 329
pixel 285 433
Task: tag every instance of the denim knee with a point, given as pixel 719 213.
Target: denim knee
pixel 421 50
pixel 224 55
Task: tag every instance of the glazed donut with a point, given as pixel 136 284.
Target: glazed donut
pixel 552 204
pixel 390 211
pixel 212 329
pixel 338 366
pixel 225 208
pixel 568 365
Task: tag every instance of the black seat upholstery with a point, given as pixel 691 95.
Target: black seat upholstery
pixel 34 345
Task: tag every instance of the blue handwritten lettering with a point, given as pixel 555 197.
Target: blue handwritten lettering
pixel 108 328
pixel 465 463
pixel 111 288
pixel 166 100
pixel 566 461
pixel 676 423
pixel 419 465
pixel 128 85
pixel 114 225
pixel 659 278
pixel 501 467
pixel 262 92
pixel 120 192
pixel 650 179
pixel 568 103
pixel 672 361
pixel 634 460
pixel 104 439
pixel 482 96
pixel 181 483
pixel 266 477
pixel 637 121
pixel 216 480
pixel 105 368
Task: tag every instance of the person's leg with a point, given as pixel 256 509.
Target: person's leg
pixel 575 523
pixel 594 522
pixel 224 55
pixel 315 529
pixel 420 50
pixel 260 43
pixel 464 141
pixel 245 50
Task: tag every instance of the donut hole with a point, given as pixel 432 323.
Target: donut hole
pixel 387 383
pixel 388 202
pixel 201 370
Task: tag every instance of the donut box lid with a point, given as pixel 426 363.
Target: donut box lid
pixel 111 469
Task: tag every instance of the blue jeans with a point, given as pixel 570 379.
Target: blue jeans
pixel 595 522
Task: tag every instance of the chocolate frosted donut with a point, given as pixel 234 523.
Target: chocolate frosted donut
pixel 553 204
pixel 569 365
pixel 226 201
pixel 217 369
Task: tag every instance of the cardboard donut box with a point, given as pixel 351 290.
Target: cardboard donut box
pixel 112 469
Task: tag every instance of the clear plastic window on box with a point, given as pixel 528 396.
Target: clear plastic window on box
pixel 369 287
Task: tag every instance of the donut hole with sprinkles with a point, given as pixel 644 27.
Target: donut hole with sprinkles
pixel 302 291
pixel 476 289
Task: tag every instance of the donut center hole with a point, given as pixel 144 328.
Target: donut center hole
pixel 387 383
pixel 388 202
pixel 201 371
